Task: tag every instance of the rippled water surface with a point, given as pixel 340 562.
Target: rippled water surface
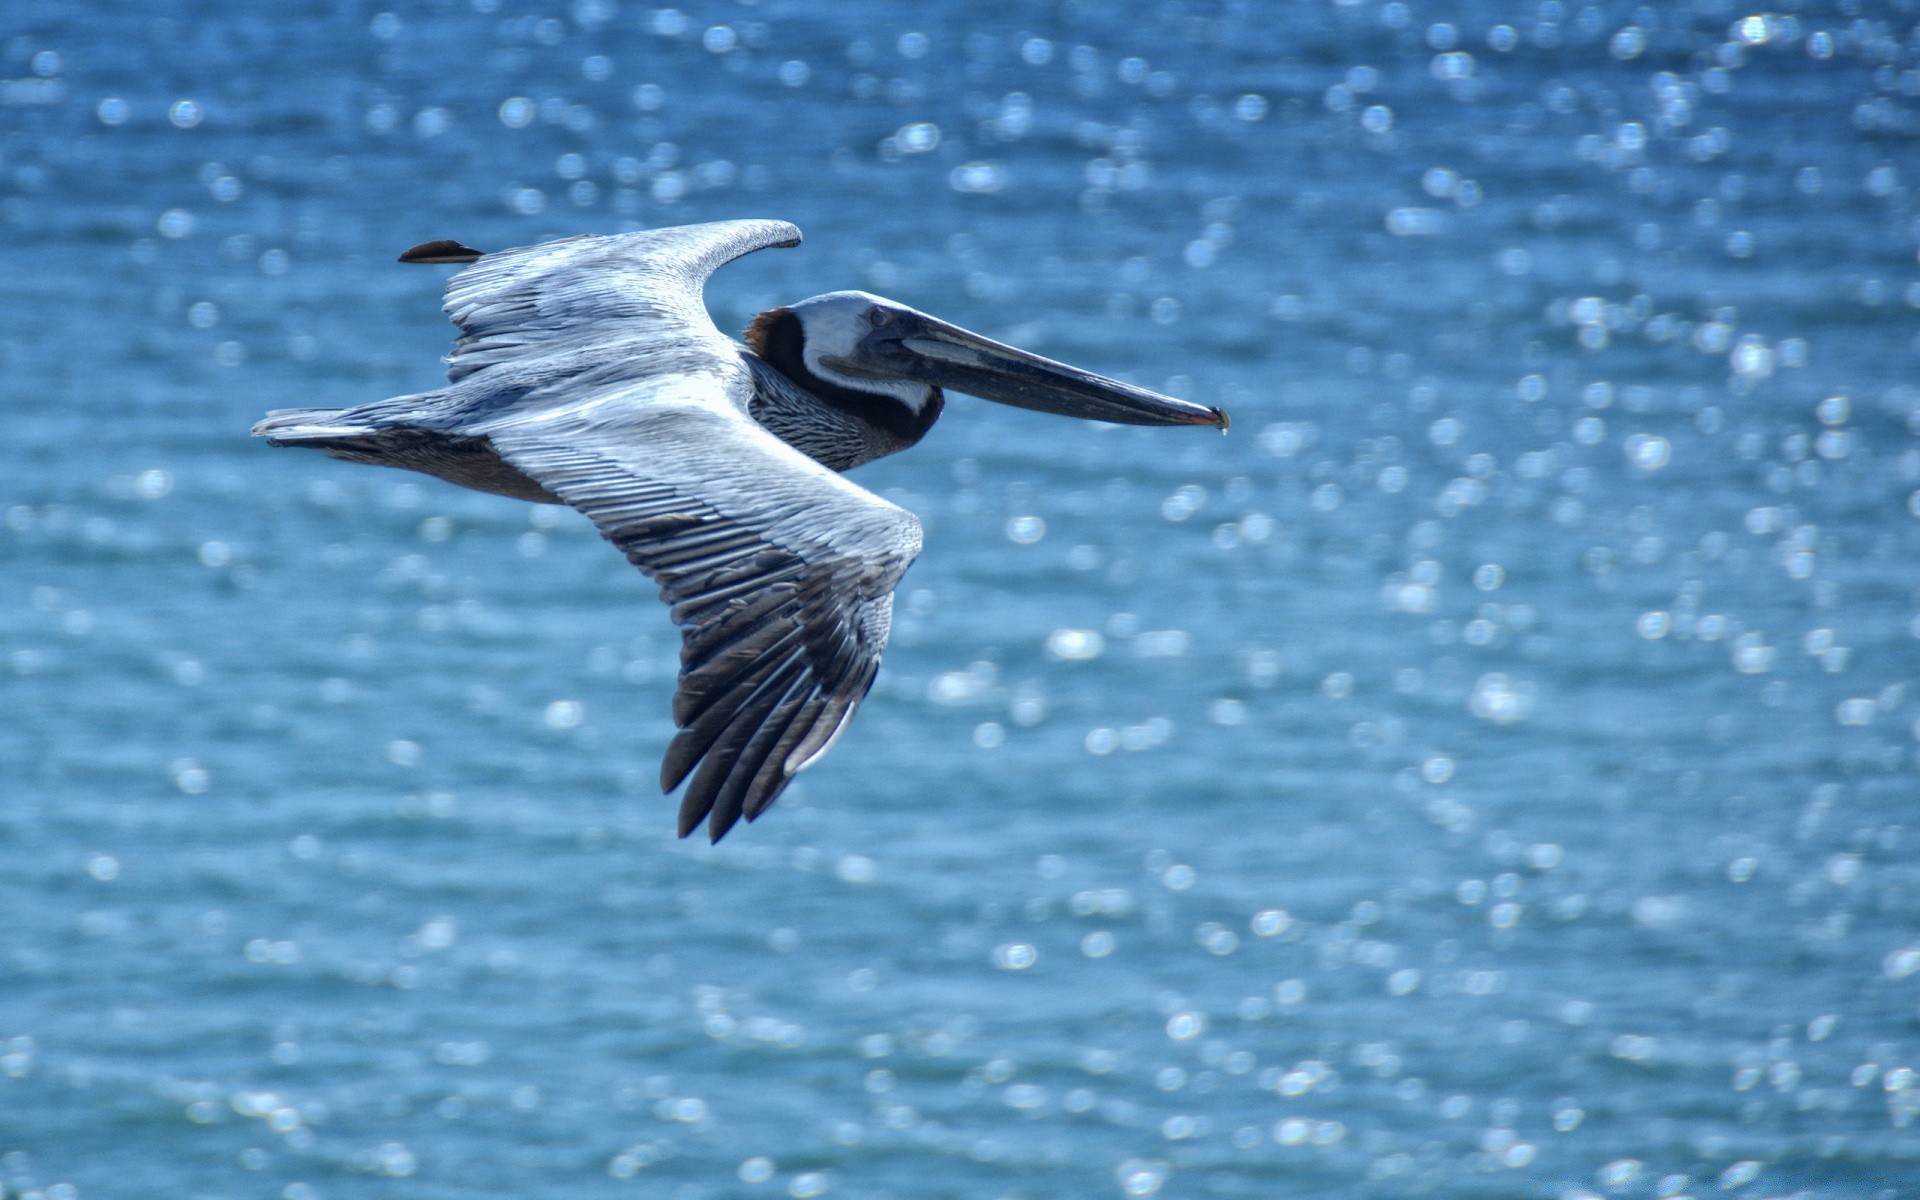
pixel 1487 772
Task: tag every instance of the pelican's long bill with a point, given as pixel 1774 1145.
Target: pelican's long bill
pixel 929 350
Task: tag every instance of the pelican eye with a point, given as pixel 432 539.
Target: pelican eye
pixel 879 318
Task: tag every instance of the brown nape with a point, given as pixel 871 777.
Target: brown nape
pixel 761 330
pixel 446 250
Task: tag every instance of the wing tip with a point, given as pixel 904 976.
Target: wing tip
pixel 788 233
pixel 445 250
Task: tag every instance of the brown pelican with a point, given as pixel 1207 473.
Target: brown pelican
pixel 587 372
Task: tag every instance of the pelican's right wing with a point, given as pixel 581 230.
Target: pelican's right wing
pixel 585 292
pixel 780 573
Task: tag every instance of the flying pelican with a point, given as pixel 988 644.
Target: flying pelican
pixel 587 372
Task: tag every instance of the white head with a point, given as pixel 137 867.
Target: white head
pixel 833 329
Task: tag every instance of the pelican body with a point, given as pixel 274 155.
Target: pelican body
pixel 587 372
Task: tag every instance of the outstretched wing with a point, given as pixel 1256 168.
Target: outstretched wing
pixel 780 573
pixel 586 292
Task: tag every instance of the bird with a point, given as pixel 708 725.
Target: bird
pixel 587 372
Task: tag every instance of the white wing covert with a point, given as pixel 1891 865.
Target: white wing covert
pixel 780 573
pixel 593 292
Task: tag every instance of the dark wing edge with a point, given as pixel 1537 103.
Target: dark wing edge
pixel 445 250
pixel 583 290
pixel 782 629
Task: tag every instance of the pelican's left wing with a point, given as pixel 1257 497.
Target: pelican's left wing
pixel 590 292
pixel 780 573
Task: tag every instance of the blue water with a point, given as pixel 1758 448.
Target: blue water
pixel 1489 771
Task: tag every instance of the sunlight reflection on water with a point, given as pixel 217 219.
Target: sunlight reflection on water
pixel 1485 771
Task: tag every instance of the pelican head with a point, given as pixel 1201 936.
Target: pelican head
pixel 898 356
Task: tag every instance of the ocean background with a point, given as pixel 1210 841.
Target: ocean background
pixel 1489 771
